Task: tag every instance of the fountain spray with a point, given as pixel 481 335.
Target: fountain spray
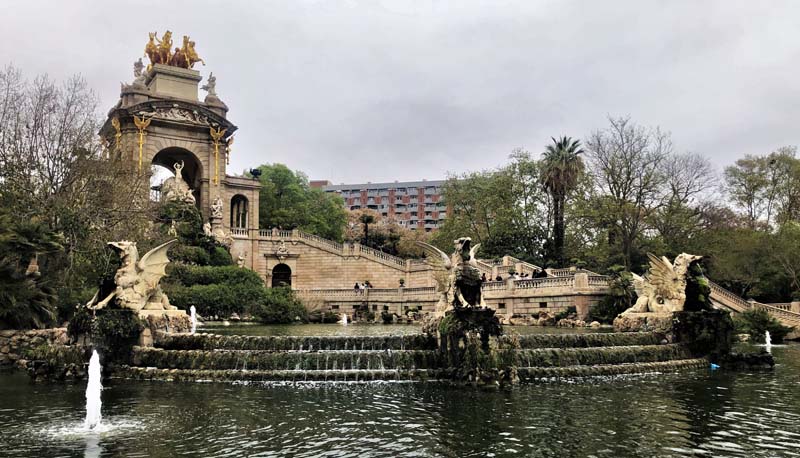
pixel 193 313
pixel 93 389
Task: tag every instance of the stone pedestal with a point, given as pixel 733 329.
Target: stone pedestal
pixel 644 322
pixel 170 321
pixel 175 82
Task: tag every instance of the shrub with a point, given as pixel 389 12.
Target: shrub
pixel 756 322
pixel 220 257
pixel 216 299
pixel 190 255
pixel 620 297
pixel 24 302
pixel 211 275
pixel 115 332
pixel 80 323
pixel 571 310
pixel 280 305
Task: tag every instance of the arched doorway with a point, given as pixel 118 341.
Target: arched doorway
pixel 239 212
pixel 281 276
pixel 163 167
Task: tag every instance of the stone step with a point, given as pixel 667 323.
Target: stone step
pixel 392 359
pixel 292 343
pixel 526 374
pixel 285 360
pixel 564 357
pixel 582 340
pixel 191 375
pixel 533 374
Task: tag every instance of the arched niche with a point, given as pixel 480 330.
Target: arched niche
pixel 164 162
pixel 281 276
pixel 239 211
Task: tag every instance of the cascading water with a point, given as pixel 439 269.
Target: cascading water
pixel 343 321
pixel 768 342
pixel 193 316
pixel 93 389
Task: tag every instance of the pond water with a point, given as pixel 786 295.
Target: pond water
pixel 696 413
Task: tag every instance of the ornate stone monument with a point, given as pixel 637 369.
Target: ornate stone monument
pixel 661 292
pixel 137 280
pixel 463 325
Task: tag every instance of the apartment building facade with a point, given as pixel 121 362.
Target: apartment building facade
pixel 417 205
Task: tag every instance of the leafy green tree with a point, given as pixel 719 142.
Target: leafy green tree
pixel 561 168
pixel 287 201
pixel 26 298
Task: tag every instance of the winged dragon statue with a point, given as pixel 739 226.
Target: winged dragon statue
pixel 136 281
pixel 457 276
pixel 663 288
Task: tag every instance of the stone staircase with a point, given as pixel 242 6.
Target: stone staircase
pixel 208 357
pixel 722 298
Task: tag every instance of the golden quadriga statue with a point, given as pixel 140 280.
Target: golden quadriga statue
pixel 159 51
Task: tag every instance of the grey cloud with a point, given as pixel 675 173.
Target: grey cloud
pixel 376 90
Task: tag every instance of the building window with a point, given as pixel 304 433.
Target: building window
pixel 335 307
pixel 542 305
pixel 501 305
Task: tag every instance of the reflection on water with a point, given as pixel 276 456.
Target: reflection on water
pixel 699 413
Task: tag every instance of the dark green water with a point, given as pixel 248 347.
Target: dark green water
pixel 699 413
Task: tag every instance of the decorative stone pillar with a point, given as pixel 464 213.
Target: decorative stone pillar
pixel 795 307
pixel 580 285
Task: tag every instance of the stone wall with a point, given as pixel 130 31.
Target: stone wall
pixel 14 344
pixel 315 267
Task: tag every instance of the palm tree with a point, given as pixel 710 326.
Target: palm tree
pixel 561 168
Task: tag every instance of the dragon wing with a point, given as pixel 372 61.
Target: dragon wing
pixel 662 277
pixel 440 263
pixel 639 285
pixel 152 266
pixel 473 261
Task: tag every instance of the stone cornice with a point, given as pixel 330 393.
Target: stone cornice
pixel 171 111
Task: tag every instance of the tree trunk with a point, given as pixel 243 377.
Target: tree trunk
pixel 558 230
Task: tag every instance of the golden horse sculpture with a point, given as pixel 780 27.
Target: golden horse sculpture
pixel 159 51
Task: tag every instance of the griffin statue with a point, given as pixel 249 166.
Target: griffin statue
pixel 136 281
pixel 663 288
pixel 457 276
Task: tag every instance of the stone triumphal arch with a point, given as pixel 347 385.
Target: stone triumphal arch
pixel 160 121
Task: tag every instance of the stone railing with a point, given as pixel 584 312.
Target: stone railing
pixel 780 311
pixel 728 298
pixel 544 282
pixel 494 285
pixel 561 272
pixel 599 280
pixel 381 255
pixel 781 305
pixel 239 232
pixel 353 293
pixel 346 249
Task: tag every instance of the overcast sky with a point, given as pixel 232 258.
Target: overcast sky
pixel 356 91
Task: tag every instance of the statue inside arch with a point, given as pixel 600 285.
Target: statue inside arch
pixel 175 188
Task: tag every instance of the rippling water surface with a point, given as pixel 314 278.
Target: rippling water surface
pixel 698 413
